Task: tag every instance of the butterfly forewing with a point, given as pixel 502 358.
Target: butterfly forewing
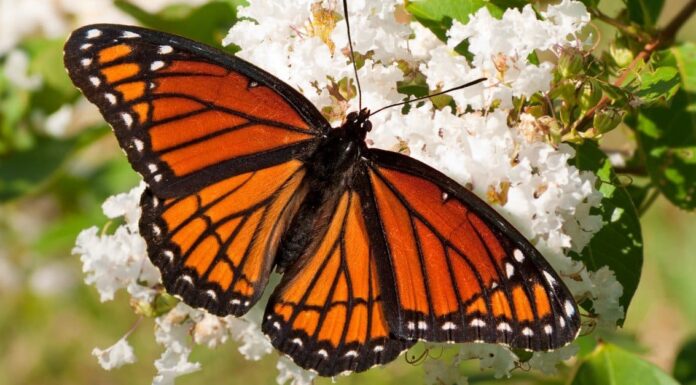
pixel 186 114
pixel 461 272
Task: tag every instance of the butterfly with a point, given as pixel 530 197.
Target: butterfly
pixel 244 175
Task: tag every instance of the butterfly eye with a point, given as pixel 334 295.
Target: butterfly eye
pixel 368 126
pixel 352 117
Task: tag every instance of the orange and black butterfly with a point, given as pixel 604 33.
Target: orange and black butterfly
pixel 244 176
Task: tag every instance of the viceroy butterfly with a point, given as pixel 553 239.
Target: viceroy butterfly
pixel 244 174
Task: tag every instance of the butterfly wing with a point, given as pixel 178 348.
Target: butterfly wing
pixel 461 272
pixel 220 144
pixel 327 312
pixel 186 114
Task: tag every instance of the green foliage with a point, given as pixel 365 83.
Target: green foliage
pixel 207 23
pixel 619 244
pixel 609 364
pixel 644 12
pixel 685 364
pixel 667 132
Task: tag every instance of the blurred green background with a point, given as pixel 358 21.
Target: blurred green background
pixel 52 184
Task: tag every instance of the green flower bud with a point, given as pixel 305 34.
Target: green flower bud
pixel 570 63
pixel 606 120
pixel 589 95
pixel 621 53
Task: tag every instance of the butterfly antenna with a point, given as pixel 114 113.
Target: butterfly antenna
pixel 477 81
pixel 352 55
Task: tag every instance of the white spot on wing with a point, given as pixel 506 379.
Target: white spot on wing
pixel 477 322
pixel 95 81
pixel 378 348
pixel 527 332
pixel 169 255
pixel 152 167
pixel 422 325
pixel 156 230
pixel 548 329
pixel 111 98
pixel 509 270
pixel 211 294
pixel 165 49
pixel 276 325
pixel 504 327
pixel 297 342
pixel 129 34
pixel 127 119
pixel 235 301
pixel 549 278
pixel 351 353
pixel 449 326
pixel 156 65
pixel 561 321
pixel 157 177
pixel 323 353
pixel 139 145
pixel 92 33
pixel 86 62
pixel 410 325
pixel 569 308
pixel 85 46
pixel 519 257
pixel 187 278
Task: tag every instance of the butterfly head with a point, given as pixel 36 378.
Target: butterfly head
pixel 358 122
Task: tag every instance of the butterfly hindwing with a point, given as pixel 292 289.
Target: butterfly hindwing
pixel 327 313
pixel 462 273
pixel 186 114
pixel 215 247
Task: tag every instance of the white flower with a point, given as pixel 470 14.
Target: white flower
pixel 16 70
pixel 255 344
pixel 210 331
pixel 491 356
pixel 606 293
pixel 116 355
pixel 546 362
pixel 172 331
pixel 289 372
pixel 441 371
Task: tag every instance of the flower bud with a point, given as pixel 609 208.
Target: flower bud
pixel 621 53
pixel 589 95
pixel 570 63
pixel 606 120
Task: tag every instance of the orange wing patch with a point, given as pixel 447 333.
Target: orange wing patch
pixel 327 312
pixel 215 248
pixel 185 119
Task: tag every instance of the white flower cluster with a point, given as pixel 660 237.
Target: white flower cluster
pixel 529 181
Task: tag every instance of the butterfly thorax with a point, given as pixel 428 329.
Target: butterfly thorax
pixel 330 169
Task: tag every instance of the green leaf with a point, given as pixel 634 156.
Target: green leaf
pixel 46 59
pixel 644 12
pixel 685 365
pixel 659 85
pixel 437 15
pixel 208 23
pixel 23 172
pixel 611 365
pixel 667 134
pixel 619 243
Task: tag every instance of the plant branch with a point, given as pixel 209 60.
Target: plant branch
pixel 626 29
pixel 670 31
